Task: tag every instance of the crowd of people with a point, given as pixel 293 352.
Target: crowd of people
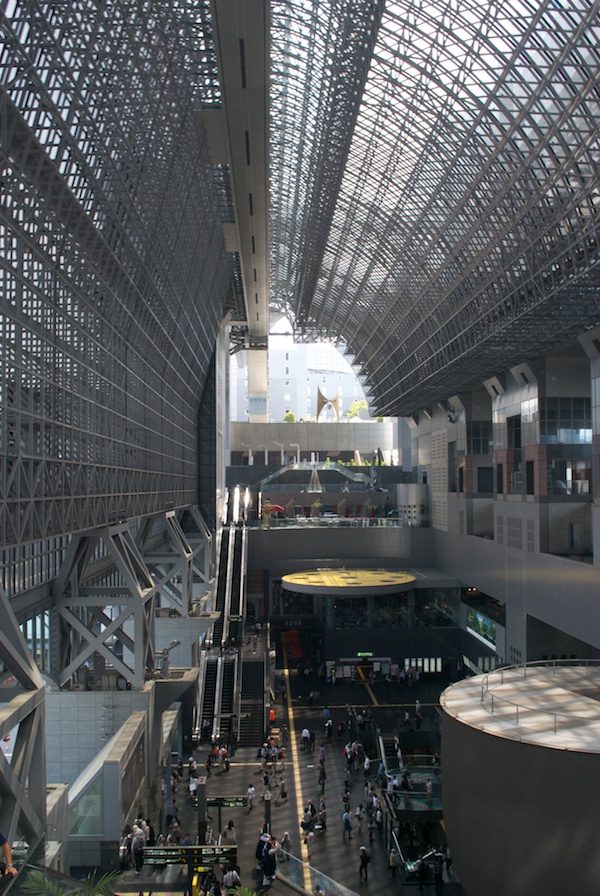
pixel 364 781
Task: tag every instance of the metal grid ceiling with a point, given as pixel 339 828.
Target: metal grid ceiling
pixel 113 275
pixel 450 229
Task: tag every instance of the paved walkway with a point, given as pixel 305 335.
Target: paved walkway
pixel 331 852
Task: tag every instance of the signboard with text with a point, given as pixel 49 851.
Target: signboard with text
pixel 227 802
pixel 197 858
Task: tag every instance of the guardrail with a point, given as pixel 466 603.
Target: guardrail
pixel 302 522
pixel 307 879
pixel 519 713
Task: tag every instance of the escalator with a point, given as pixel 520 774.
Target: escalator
pixel 228 696
pixel 221 588
pixel 389 752
pixel 221 660
pixel 252 726
pixel 209 691
pixel 235 621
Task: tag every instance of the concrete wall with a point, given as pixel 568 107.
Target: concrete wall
pixel 286 548
pixel 520 819
pixel 561 592
pixel 80 723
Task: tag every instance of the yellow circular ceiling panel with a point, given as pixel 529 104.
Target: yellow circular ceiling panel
pixel 346 581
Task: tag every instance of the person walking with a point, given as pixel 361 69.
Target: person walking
pixel 282 793
pixel 308 841
pixel 229 837
pixel 367 767
pixel 322 814
pixel 266 781
pixel 347 821
pixel 269 861
pixel 251 793
pixel 231 880
pixel 307 822
pixel 138 841
pixel 263 841
pixel 429 792
pixel 322 779
pixel 359 815
pixel 365 858
pixel 286 847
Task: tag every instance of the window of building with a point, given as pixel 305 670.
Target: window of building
pixel 513 428
pixel 479 437
pixel 569 477
pixel 451 466
pixel 566 421
pixel 485 480
pixel 529 477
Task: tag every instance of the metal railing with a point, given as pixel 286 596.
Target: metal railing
pixel 522 714
pixel 306 879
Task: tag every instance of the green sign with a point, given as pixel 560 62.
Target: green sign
pixel 365 653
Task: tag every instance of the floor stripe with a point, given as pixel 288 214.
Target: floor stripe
pixel 368 687
pixel 293 744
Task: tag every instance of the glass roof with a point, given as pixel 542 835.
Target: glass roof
pixel 434 184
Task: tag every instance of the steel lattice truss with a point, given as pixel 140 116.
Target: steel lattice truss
pixel 113 275
pixel 451 230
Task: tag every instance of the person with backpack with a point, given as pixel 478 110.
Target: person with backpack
pixel 231 880
pixel 365 858
pixel 347 820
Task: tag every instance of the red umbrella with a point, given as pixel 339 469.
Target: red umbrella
pixel 273 508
